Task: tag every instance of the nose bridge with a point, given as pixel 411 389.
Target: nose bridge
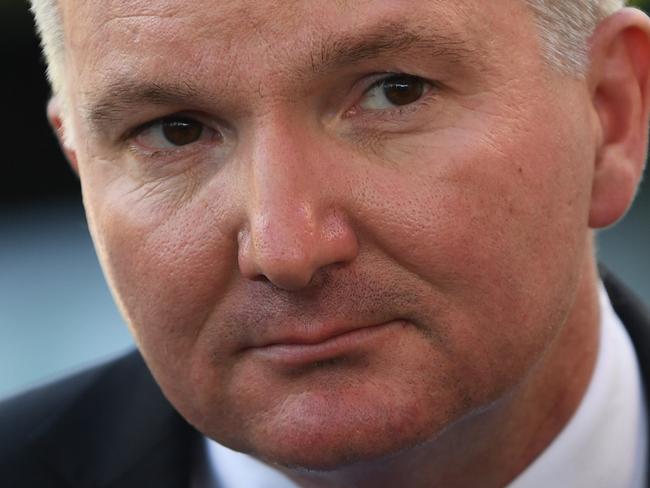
pixel 295 224
pixel 283 175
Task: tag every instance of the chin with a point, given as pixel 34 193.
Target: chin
pixel 325 433
pixel 324 455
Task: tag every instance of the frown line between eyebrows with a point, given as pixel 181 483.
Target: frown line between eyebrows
pixel 380 41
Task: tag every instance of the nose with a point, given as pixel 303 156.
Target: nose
pixel 297 223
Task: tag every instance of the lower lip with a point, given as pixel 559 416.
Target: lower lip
pixel 355 341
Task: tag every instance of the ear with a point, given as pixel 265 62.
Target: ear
pixel 55 116
pixel 618 78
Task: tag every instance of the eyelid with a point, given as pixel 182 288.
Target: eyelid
pixel 192 116
pixel 380 78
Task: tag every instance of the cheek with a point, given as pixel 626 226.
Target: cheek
pixel 482 209
pixel 496 228
pixel 168 266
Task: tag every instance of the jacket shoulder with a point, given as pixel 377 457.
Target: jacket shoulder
pixel 68 418
pixel 26 413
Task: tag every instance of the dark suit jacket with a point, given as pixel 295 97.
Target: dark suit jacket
pixel 111 426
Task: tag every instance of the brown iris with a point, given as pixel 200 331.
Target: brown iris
pixel 180 131
pixel 402 90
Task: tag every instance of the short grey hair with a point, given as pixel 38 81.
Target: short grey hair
pixel 49 25
pixel 564 27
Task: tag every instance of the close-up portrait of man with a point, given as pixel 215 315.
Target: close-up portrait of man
pixel 353 242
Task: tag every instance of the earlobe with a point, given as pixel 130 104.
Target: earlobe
pixel 619 81
pixel 55 116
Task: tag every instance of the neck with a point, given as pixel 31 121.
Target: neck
pixel 492 447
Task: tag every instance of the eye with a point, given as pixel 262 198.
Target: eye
pixel 173 132
pixel 394 91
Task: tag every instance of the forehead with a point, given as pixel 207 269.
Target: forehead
pixel 240 40
pixel 242 20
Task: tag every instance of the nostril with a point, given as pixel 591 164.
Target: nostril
pixel 289 252
pixel 290 271
pixel 259 278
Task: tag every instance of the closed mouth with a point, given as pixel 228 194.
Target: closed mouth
pixel 301 351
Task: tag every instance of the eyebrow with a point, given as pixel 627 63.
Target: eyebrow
pixel 121 94
pixel 386 39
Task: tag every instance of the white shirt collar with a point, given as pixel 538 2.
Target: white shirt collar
pixel 231 469
pixel 581 456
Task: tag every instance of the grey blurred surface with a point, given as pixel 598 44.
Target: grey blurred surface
pixel 56 313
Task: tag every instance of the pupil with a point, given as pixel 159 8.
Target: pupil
pixel 403 90
pixel 180 132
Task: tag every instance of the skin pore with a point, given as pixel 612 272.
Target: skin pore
pixel 454 228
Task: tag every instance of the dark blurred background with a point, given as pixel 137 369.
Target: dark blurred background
pixel 55 310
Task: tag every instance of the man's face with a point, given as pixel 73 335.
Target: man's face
pixel 261 177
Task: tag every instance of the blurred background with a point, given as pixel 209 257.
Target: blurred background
pixel 56 312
